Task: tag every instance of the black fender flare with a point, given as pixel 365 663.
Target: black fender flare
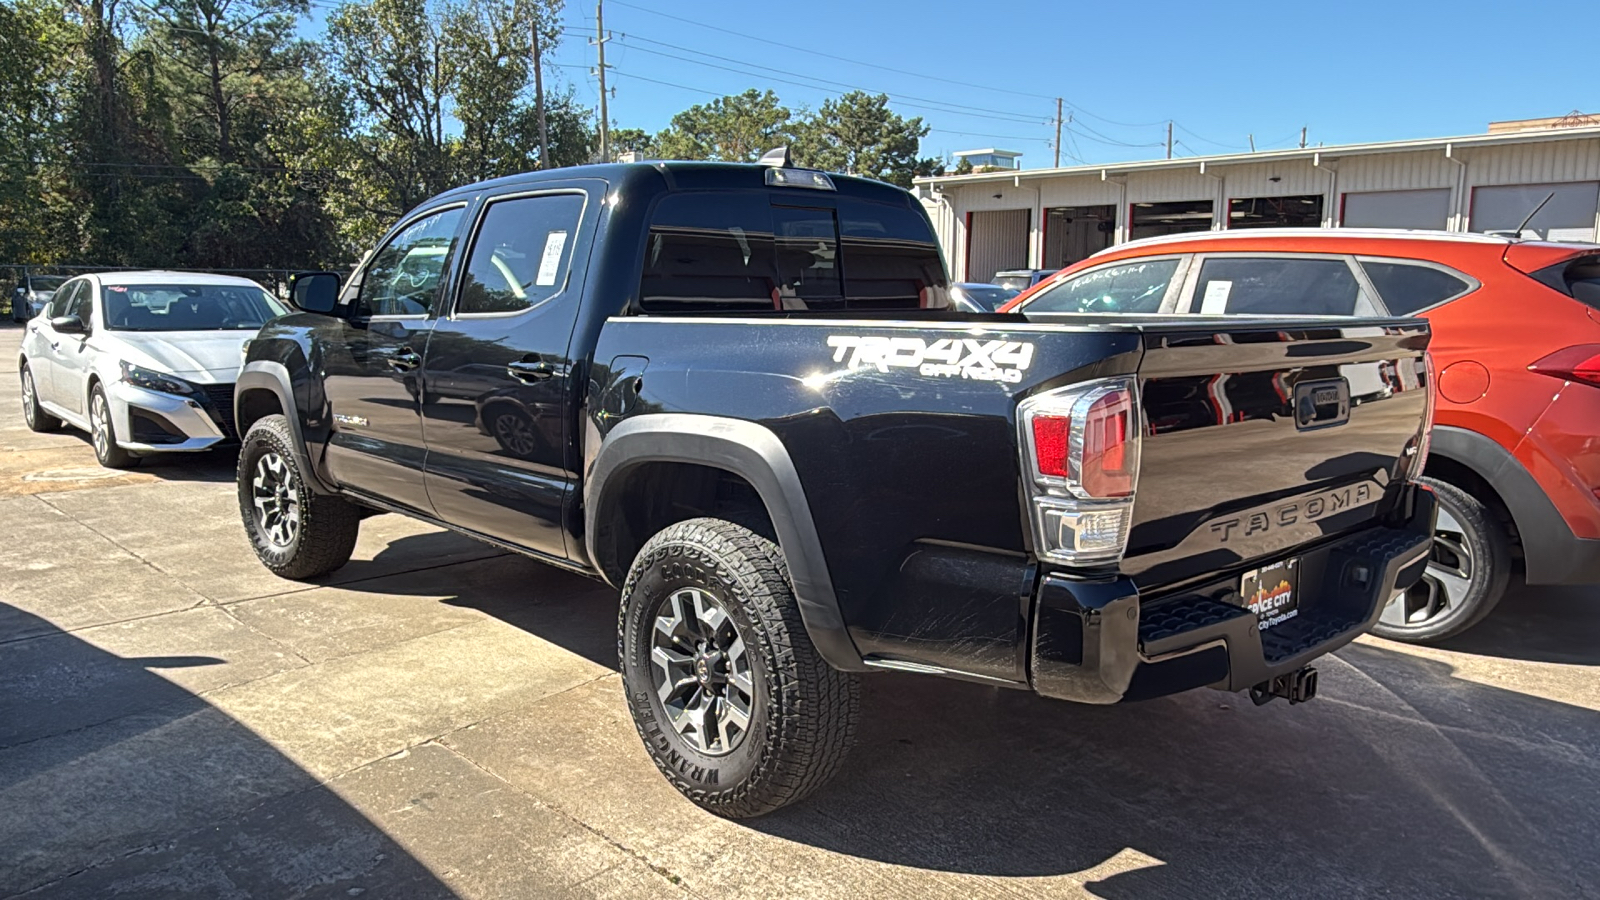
pixel 1547 540
pixel 755 454
pixel 271 376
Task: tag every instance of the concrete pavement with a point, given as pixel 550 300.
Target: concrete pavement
pixel 442 719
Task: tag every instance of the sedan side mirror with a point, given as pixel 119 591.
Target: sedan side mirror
pixel 316 292
pixel 67 325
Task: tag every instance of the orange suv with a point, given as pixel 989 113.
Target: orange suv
pixel 1515 457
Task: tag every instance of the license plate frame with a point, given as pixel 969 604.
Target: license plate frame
pixel 1272 592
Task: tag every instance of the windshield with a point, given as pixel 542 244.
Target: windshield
pixel 989 297
pixel 189 307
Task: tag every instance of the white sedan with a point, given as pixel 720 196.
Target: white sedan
pixel 143 361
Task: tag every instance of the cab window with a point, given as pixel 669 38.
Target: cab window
pixel 403 277
pixel 1135 287
pixel 521 255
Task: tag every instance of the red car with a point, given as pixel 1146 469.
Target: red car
pixel 1515 456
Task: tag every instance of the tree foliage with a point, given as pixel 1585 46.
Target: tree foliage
pixel 211 134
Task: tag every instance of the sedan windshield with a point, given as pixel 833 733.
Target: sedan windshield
pixel 189 307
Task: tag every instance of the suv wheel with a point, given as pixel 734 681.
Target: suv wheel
pixel 734 704
pixel 32 412
pixel 103 433
pixel 1468 570
pixel 296 532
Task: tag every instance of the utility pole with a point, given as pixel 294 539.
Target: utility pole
pixel 600 39
pixel 1058 132
pixel 1252 142
pixel 538 96
pixel 1169 139
pixel 1302 137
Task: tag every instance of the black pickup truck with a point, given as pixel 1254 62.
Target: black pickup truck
pixel 739 394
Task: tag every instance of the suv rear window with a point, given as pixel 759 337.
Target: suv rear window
pixel 1406 288
pixel 756 252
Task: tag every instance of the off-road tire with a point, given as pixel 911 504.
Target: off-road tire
pixel 1486 540
pixel 803 715
pixel 105 446
pixel 328 524
pixel 38 420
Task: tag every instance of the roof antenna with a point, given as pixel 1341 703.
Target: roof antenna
pixel 778 157
pixel 1517 236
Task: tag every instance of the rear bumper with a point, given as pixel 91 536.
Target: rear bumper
pixel 1097 642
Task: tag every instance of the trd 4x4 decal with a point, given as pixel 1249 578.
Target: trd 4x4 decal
pixel 983 360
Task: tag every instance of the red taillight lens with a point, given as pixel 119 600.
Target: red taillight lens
pixel 1107 465
pixel 1050 444
pixel 1580 363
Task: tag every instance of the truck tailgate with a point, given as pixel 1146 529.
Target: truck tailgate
pixel 1260 437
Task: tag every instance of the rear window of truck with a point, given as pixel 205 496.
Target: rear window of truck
pixel 751 252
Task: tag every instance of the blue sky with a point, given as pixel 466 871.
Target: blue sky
pixel 986 73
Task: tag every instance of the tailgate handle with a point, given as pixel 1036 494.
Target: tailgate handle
pixel 1321 404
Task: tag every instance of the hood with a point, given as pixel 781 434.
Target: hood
pixel 186 353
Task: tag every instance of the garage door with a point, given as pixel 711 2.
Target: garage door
pixel 998 240
pixel 1569 216
pixel 1428 209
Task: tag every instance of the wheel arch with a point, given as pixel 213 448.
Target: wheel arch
pixel 1481 467
pixel 687 460
pixel 264 389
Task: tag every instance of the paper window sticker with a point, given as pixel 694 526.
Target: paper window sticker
pixel 555 243
pixel 1215 301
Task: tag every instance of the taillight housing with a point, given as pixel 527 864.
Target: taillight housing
pixel 1080 460
pixel 1424 440
pixel 1580 363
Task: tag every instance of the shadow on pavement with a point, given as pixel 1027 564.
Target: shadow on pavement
pixel 1539 624
pixel 1400 780
pixel 115 781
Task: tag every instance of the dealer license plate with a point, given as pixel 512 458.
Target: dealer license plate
pixel 1272 592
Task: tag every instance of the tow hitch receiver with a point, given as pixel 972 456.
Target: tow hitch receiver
pixel 1296 687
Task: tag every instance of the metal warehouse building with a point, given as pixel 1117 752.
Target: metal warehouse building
pixel 1048 218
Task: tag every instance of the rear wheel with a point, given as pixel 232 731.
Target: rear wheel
pixel 32 412
pixel 1469 567
pixel 734 703
pixel 103 433
pixel 296 532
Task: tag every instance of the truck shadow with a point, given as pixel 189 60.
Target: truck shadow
pixel 1539 624
pixel 1400 779
pixel 114 780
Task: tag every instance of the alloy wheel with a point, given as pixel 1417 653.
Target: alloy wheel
pixel 701 672
pixel 276 499
pixel 100 425
pixel 27 397
pixel 1444 585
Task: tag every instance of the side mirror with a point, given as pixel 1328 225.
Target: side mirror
pixel 67 325
pixel 316 292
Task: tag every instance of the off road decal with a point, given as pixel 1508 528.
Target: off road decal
pixel 983 360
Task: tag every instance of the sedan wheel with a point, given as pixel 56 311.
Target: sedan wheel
pixel 103 433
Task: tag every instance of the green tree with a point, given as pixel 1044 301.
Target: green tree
pixel 35 44
pixel 632 140
pixel 858 134
pixel 736 128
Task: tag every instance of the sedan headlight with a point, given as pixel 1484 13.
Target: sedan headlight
pixel 155 381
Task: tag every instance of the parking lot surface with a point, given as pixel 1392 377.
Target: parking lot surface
pixel 440 718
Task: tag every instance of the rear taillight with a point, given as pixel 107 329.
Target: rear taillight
pixel 1081 461
pixel 1424 439
pixel 1580 363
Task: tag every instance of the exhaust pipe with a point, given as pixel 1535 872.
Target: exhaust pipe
pixel 1296 687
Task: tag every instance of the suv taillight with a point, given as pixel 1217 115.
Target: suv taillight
pixel 1081 465
pixel 1580 363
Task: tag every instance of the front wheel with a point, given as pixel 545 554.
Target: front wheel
pixel 296 532
pixel 734 703
pixel 103 433
pixel 1469 566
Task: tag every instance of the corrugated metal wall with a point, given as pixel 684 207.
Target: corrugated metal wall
pixel 1536 162
pixel 999 241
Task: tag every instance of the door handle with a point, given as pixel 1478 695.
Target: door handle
pixel 404 360
pixel 529 371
